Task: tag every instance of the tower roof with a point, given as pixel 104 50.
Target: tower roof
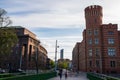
pixel 93 7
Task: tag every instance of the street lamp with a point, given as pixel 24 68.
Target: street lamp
pixel 20 67
pixel 56 46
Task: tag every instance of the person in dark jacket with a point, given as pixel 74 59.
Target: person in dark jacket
pixel 60 73
pixel 66 75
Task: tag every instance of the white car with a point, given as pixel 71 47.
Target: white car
pixel 2 70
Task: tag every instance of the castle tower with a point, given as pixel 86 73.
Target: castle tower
pixel 93 39
pixel 93 16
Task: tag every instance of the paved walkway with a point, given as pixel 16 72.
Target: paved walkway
pixel 72 76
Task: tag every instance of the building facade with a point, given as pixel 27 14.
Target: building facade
pixel 61 53
pixel 99 49
pixel 75 57
pixel 28 53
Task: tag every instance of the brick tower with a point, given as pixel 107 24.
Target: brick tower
pixel 93 17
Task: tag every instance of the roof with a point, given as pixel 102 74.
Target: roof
pixel 17 26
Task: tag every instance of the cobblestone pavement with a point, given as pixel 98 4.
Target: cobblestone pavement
pixel 72 76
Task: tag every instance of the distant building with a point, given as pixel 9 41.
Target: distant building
pixel 26 52
pixel 75 57
pixel 99 50
pixel 61 53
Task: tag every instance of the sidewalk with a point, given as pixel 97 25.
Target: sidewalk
pixel 72 76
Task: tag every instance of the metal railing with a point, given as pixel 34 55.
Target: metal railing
pixel 97 76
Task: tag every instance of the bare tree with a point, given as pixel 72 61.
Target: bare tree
pixel 4 19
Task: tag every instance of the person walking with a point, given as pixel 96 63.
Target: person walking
pixel 66 75
pixel 60 73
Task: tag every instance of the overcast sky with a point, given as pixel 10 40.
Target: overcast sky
pixel 61 20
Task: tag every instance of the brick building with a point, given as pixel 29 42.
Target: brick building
pixel 75 57
pixel 99 50
pixel 27 52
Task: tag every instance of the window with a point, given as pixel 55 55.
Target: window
pixel 90 63
pixel 31 40
pixel 97 63
pixel 111 51
pixel 95 20
pixel 96 32
pixel 112 64
pixel 110 41
pixel 96 41
pixel 90 52
pixel 89 32
pixel 110 32
pixel 97 52
pixel 34 47
pixel 90 41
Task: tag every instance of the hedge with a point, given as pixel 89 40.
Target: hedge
pixel 5 75
pixel 43 76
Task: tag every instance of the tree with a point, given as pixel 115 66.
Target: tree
pixel 8 37
pixel 52 63
pixel 4 19
pixel 63 64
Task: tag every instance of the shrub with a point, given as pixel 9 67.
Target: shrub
pixel 43 76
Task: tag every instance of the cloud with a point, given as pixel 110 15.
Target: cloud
pixel 39 13
pixel 57 13
pixel 45 13
pixel 48 20
pixel 61 20
pixel 64 42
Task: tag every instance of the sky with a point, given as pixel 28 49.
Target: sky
pixel 61 20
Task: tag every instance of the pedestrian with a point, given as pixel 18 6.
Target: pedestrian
pixel 60 73
pixel 66 75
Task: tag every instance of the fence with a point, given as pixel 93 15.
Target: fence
pixel 97 76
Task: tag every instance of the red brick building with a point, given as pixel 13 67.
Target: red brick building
pixel 99 50
pixel 27 53
pixel 75 57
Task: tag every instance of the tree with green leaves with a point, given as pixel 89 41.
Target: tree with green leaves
pixel 52 64
pixel 63 64
pixel 8 37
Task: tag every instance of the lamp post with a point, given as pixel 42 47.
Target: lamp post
pixel 21 58
pixel 56 46
pixel 17 51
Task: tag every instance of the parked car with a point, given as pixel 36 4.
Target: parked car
pixel 16 71
pixel 2 70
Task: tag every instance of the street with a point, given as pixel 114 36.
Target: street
pixel 72 76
